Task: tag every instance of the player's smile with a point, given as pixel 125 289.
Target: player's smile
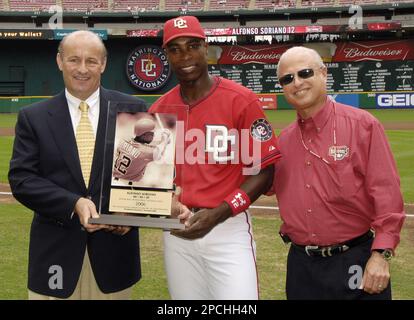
pixel 188 69
pixel 189 72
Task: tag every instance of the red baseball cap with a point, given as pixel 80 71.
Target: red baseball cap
pixel 186 26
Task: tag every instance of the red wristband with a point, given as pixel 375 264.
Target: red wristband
pixel 238 201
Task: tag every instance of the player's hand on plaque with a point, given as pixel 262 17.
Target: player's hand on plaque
pixel 203 222
pixel 178 210
pixel 86 209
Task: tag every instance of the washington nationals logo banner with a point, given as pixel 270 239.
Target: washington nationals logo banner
pixel 147 68
pixel 138 168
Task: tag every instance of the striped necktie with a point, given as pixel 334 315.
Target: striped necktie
pixel 85 141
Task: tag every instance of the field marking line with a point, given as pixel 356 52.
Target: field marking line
pixel 264 208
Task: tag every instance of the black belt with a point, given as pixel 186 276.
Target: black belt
pixel 328 251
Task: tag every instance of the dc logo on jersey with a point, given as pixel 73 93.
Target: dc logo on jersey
pixel 218 142
pixel 148 68
pixel 261 130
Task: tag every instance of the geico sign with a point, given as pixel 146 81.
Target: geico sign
pixel 396 100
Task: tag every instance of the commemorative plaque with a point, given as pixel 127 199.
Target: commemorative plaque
pixel 138 169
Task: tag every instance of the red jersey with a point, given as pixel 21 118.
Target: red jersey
pixel 226 137
pixel 343 185
pixel 131 160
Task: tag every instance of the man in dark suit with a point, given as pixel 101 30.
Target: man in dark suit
pixel 68 257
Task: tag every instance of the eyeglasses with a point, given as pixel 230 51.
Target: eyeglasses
pixel 303 74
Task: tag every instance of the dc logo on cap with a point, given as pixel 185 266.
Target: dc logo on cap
pixel 180 23
pixel 148 68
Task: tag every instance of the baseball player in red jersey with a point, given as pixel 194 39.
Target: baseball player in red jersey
pixel 132 156
pixel 227 138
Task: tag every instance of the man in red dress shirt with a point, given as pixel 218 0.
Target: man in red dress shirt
pixel 337 185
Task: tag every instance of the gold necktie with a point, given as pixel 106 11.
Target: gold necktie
pixel 85 141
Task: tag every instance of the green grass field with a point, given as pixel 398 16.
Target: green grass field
pixel 271 257
pixel 402 142
pixel 6 145
pixel 8 120
pixel 271 252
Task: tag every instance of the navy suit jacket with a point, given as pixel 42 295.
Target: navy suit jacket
pixel 45 176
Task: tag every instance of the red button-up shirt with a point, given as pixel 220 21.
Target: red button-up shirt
pixel 329 203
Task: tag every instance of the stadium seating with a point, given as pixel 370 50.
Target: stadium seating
pixel 318 3
pixel 82 5
pixel 184 5
pixel 31 5
pixel 274 4
pixel 229 4
pixel 68 5
pixel 177 5
pixel 358 2
pixel 134 5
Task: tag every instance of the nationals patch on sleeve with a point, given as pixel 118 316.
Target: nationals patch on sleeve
pixel 261 130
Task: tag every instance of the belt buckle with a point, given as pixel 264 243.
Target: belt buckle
pixel 326 252
pixel 344 247
pixel 310 248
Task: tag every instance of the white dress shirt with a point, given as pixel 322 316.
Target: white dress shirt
pixel 75 113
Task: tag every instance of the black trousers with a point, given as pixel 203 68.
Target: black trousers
pixel 332 278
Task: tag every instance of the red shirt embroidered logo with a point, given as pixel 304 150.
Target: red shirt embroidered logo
pixel 148 68
pixel 338 152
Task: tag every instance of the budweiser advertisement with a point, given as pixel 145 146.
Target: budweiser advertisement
pixel 246 54
pixel 374 51
pixel 331 52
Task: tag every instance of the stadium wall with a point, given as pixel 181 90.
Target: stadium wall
pixel 32 62
pixel 28 68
